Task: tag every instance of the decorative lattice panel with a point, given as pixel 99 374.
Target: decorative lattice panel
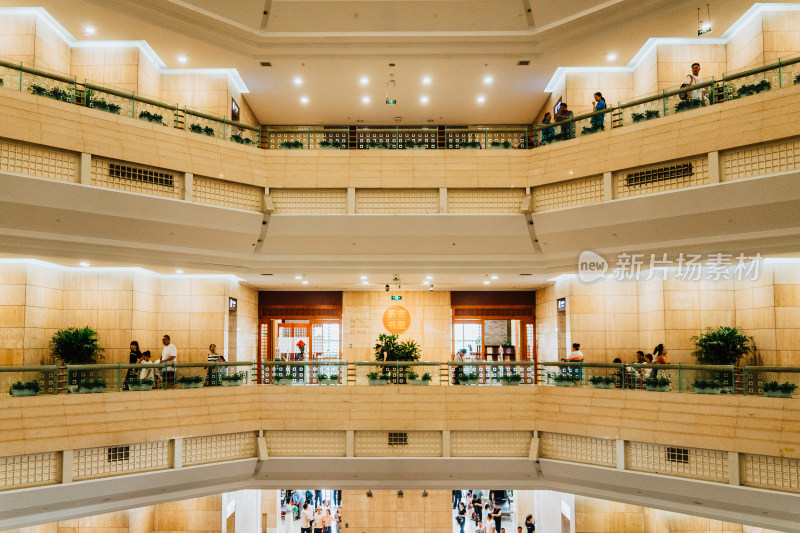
pixel 579 449
pixel 216 448
pixel 710 465
pixel 485 200
pixel 569 193
pixel 31 160
pixel 327 201
pixel 227 194
pixel 398 444
pixel 306 443
pixel 501 443
pixel 104 461
pixel 140 178
pixel 29 470
pixel 383 201
pixel 776 473
pixel 761 159
pixel 661 177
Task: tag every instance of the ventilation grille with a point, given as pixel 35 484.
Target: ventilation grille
pixel 142 175
pixel 216 448
pixel 696 463
pixel 398 444
pixel 495 443
pixel 105 461
pixel 671 172
pixel 398 439
pixel 119 453
pixel 762 159
pixel 328 201
pixel 677 455
pixel 226 194
pixel 386 201
pixel 567 194
pixel 776 473
pixel 306 443
pixel 485 200
pixel 37 161
pixel 29 470
pixel 580 449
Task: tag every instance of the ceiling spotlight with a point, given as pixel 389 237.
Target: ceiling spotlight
pixel 365 99
pixel 364 81
pixel 487 282
pixel 304 282
pixel 426 80
pixel 298 277
pixel 89 30
pixel 704 26
pixel 611 56
pixel 488 80
pixel 426 282
pixel 493 277
pixel 304 99
pixel 428 277
pixel 298 81
pixel 365 282
pixel 182 59
pixel 387 287
pixel 481 99
pixel 430 288
pixel 423 99
pixel 179 271
pixel 84 264
pixel 363 277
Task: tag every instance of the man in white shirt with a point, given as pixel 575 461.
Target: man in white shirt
pixel 305 519
pixel 169 355
pixel 693 79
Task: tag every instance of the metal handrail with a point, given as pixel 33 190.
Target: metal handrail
pixel 131 95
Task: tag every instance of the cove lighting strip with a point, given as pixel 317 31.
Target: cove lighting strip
pixel 652 44
pixel 136 270
pixel 46 18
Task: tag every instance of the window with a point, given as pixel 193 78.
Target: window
pixel 468 335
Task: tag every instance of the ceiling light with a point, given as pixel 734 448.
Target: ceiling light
pixel 428 277
pixel 304 282
pixel 481 99
pixel 365 282
pixel 364 81
pixel 611 56
pixel 365 99
pixel 182 59
pixel 423 99
pixel 426 80
pixel 84 264
pixel 487 282
pixel 492 277
pixel 363 277
pixel 298 81
pixel 304 99
pixel 179 271
pixel 298 277
pixel 488 80
pixel 426 282
pixel 431 288
pixel 89 30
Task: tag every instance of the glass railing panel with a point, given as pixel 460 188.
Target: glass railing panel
pixel 593 124
pixel 706 379
pixel 333 372
pixel 376 138
pixel 53 85
pixel 204 124
pixel 418 139
pixel 243 134
pixel 17 380
pixel 397 373
pixel 109 100
pixel 741 83
pixel 561 374
pixel 790 70
pixel 781 382
pixel 287 138
pixel 155 112
pixel 677 100
pixel 9 76
pixel 491 373
pixel 605 375
pixel 644 376
pixel 328 138
pixel 95 378
pixel 640 109
pixel 505 137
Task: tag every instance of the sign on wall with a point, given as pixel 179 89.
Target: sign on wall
pixel 396 319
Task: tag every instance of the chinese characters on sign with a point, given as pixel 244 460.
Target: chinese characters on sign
pixel 396 319
pixel 689 267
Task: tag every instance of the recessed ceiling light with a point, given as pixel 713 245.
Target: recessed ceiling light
pixel 493 277
pixel 365 282
pixel 423 99
pixel 298 277
pixel 488 80
pixel 364 80
pixel 304 99
pixel 365 100
pixel 481 99
pixel 571 172
pixel 304 282
pixel 426 282
pixel 298 81
pixel 84 264
pixel 179 271
pixel 89 30
pixel 611 56
pixel 426 80
pixel 182 59
pixel 428 277
pixel 363 277
pixel 487 282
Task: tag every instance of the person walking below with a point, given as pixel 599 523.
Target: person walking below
pixel 497 515
pixel 305 519
pixel 461 517
pixel 456 498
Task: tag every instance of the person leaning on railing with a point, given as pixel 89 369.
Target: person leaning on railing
pixel 548 133
pixel 576 356
pixel 693 79
pixel 459 369
pixel 564 114
pixel 599 104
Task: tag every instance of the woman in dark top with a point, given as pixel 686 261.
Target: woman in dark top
pixel 134 359
pixel 529 525
pixel 547 133
pixel 461 518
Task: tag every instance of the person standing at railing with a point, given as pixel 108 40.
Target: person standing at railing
pixel 147 373
pixel 694 79
pixel 576 356
pixel 169 355
pixel 599 104
pixel 214 373
pixel 548 133
pixel 134 359
pixel 458 371
pixel 564 114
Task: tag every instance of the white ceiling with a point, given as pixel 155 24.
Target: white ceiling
pixel 331 44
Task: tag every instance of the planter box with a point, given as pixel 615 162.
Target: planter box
pixel 416 147
pixel 140 387
pixel 152 121
pixel 284 381
pixel 92 390
pixel 469 381
pixel 330 147
pixel 191 385
pixel 377 381
pixel 707 391
pixel 777 394
pixel 665 388
pixel 563 383
pixel 509 383
pixel 18 393
pixel 328 381
pixel 230 382
pixel 419 382
pixel 603 385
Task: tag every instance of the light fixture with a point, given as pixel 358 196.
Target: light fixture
pixel 179 271
pixel 423 99
pixel 365 99
pixel 363 277
pixel 426 80
pixel 399 493
pixel 369 494
pixel 89 30
pixel 428 277
pixel 182 59
pixel 430 288
pixel 426 282
pixel 298 81
pixel 487 282
pixel 481 99
pixel 365 282
pixel 298 276
pixel 304 99
pixel 387 287
pixel 364 80
pixel 488 80
pixel 704 26
pixel 611 56
pixel 424 493
pixel 304 282
pixel 84 264
pixel 493 277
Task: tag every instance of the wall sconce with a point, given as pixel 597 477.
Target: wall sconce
pixel 424 493
pixel 369 494
pixel 399 493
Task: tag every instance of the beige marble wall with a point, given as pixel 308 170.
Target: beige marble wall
pixel 781 35
pixel 645 77
pixel 245 113
pixel 430 322
pixel 207 92
pixel 603 318
pixel 746 48
pixel 675 60
pixel 270 511
pixel 246 321
pixel 148 77
pixel 581 86
pixel 546 324
pixel 385 512
pixel 50 50
pixel 198 514
pixel 117 68
pixel 18 37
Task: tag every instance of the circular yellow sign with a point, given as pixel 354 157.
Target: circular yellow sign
pixel 396 319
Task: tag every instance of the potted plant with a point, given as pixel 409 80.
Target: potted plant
pixel 154 118
pixel 415 378
pixel 373 378
pixel 689 103
pixel 234 380
pixel 284 379
pixel 3 82
pixel 562 380
pixel 753 88
pixel 57 93
pixel 377 145
pixel 292 145
pixel 722 346
pixel 510 379
pixel 324 379
pixel 29 388
pixel 37 89
pixel 237 138
pixel 708 386
pixel 600 382
pixel 411 144
pixel 501 145
pixel 197 128
pixel 470 145
pixel 468 378
pixel 656 384
pixel 389 348
pixel 773 389
pixel 330 145
pixel 190 382
pixel 76 346
pixel 137 384
pixel 101 104
pixel 594 128
pixel 796 80
pixel 91 386
pixel 651 114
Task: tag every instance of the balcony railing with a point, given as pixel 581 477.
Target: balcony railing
pixel 679 378
pixel 784 72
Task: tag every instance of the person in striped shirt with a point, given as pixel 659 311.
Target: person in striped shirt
pixel 213 374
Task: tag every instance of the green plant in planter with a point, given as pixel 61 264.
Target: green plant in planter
pixel 410 374
pixel 689 103
pixel 378 144
pixel 205 130
pixel 292 145
pixel 57 93
pixel 334 377
pixel 796 80
pixel 601 382
pixel 237 138
pixel 322 377
pixel 470 144
pixel 190 382
pixel 233 377
pixel 657 384
pixel 92 385
pixel 395 350
pixel 29 388
pixel 136 384
pixel 327 143
pixel 373 376
pixel 511 379
pixel 708 386
pixel 37 89
pixel 753 88
pixel 594 128
pixel 722 346
pixel 468 377
pixel 779 390
pixel 412 143
pixel 76 346
pixel 502 145
pixel 426 377
pixel 651 113
pixel 563 380
pixel 637 117
pixel 3 82
pixel 151 117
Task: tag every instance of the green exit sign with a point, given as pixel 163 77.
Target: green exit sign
pixel 397 297
pixel 390 102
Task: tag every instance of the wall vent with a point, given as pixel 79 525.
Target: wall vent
pixel 523 63
pixel 118 453
pixel 266 64
pixel 141 175
pixel 643 177
pixel 677 455
pixel 398 439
